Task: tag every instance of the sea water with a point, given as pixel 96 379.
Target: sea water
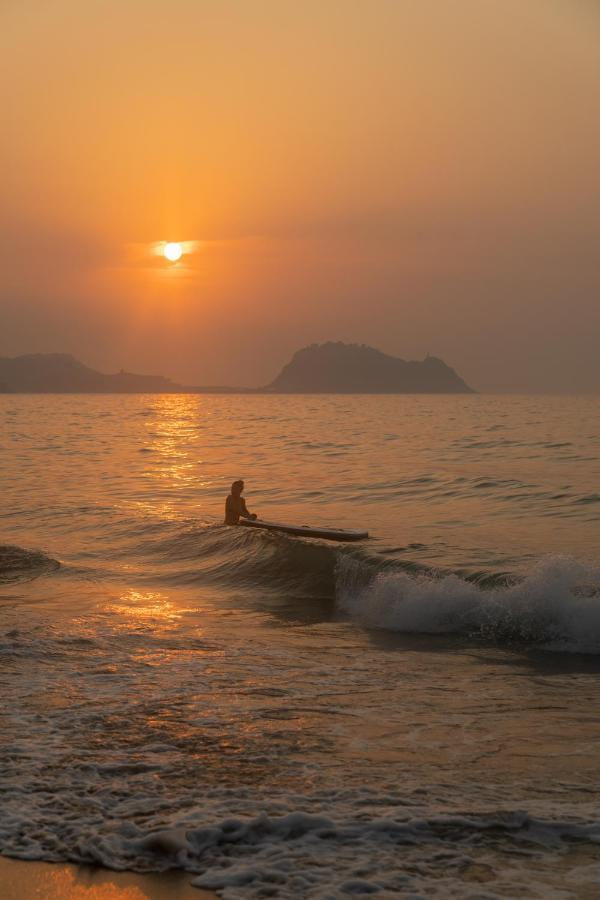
pixel 417 715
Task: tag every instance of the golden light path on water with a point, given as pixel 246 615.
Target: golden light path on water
pixel 173 452
pixel 149 607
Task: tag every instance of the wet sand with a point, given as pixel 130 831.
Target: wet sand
pixel 21 880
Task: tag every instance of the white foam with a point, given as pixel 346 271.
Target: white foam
pixel 556 605
pixel 346 851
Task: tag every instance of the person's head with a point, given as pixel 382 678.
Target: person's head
pixel 237 487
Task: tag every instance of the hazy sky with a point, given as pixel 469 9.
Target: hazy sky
pixel 419 175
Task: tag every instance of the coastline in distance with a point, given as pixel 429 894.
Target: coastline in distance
pixel 333 367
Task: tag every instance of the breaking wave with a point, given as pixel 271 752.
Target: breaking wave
pixel 556 605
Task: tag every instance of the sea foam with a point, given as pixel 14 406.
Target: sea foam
pixel 321 847
pixel 556 605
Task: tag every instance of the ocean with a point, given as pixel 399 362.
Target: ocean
pixel 417 715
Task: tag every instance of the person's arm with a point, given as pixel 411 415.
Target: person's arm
pixel 245 512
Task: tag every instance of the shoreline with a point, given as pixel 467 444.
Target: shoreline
pixel 38 880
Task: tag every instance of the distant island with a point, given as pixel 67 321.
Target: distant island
pixel 61 373
pixel 318 369
pixel 336 368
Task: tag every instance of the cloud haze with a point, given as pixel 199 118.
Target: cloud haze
pixel 417 175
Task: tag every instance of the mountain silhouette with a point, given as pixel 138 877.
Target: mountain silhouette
pixel 320 368
pixel 358 369
pixel 59 373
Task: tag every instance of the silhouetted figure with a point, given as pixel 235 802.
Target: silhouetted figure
pixel 235 505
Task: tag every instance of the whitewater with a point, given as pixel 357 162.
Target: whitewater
pixel 414 716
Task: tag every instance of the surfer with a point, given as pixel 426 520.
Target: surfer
pixel 235 505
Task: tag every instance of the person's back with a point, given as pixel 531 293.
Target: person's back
pixel 235 505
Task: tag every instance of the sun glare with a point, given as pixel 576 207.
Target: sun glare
pixel 172 252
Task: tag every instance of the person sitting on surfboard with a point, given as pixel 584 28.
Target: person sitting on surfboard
pixel 235 505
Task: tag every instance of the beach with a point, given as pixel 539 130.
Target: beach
pixel 55 881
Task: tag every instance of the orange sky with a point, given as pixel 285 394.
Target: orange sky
pixel 420 175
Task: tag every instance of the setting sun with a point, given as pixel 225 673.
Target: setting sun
pixel 172 252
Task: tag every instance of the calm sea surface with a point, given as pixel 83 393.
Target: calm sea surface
pixel 417 715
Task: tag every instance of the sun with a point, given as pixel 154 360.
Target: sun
pixel 172 251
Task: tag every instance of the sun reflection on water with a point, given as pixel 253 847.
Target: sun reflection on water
pixel 143 606
pixel 171 461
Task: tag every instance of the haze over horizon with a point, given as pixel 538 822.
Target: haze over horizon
pixel 417 176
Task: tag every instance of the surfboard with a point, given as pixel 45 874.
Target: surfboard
pixel 329 534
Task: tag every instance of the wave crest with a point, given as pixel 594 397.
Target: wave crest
pixel 557 605
pixel 19 564
pixel 247 558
